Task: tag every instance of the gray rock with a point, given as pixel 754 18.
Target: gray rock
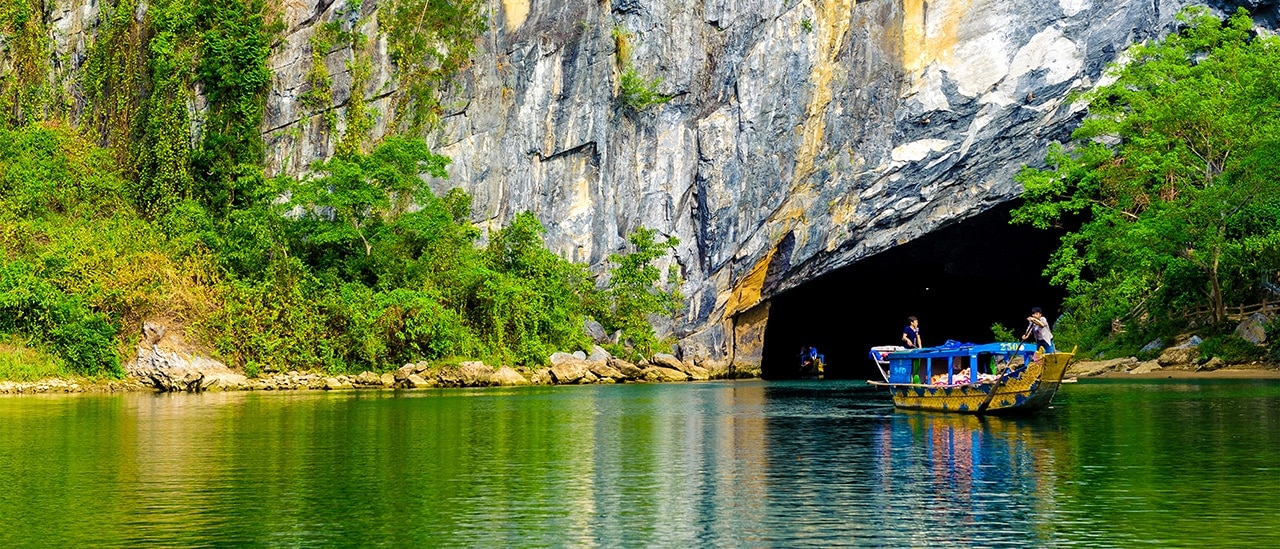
pixel 660 374
pixel 333 383
pixel 368 379
pixel 579 355
pixel 1154 345
pixel 595 331
pixel 598 353
pixel 166 363
pixel 542 377
pixel 557 358
pixel 1253 329
pixel 627 369
pixel 475 374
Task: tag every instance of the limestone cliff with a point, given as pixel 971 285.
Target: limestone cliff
pixel 800 135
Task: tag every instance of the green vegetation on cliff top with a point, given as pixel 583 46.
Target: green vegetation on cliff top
pixel 127 218
pixel 1172 180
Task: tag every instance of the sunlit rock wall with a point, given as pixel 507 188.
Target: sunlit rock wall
pixel 801 135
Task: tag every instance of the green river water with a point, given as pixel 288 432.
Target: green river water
pixel 719 464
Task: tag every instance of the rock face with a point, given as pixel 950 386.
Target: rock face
pixel 166 363
pixel 800 136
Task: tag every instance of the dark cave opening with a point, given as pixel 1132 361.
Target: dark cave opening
pixel 958 281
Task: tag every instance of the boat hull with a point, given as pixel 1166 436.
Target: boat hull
pixel 1025 390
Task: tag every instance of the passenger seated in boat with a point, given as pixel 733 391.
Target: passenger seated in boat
pixel 810 359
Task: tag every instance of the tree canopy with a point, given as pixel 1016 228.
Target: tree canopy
pixel 1173 179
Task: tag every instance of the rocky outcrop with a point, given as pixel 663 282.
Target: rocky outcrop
pixel 799 137
pixel 166 363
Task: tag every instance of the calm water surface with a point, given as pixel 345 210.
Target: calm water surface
pixel 734 464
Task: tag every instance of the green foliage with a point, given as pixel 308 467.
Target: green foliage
pixel 429 41
pixel 1231 348
pixel 361 195
pixel 806 25
pixel 20 362
pixel 31 306
pixel 235 41
pixel 634 91
pixel 1172 179
pixel 633 294
pixel 1000 332
pixel 363 268
pixel 26 94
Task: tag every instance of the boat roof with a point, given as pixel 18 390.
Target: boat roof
pixel 951 349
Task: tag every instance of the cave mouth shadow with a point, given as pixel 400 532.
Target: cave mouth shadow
pixel 958 280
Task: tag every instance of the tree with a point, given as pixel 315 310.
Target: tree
pixel 1172 176
pixel 633 293
pixel 361 193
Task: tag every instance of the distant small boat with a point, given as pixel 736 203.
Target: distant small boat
pixel 991 378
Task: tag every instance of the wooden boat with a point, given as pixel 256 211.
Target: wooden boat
pixel 1011 377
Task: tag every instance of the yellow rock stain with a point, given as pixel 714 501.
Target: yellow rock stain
pixel 930 32
pixel 515 12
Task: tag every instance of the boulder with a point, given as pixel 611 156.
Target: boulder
pixel 1253 329
pixel 164 361
pixel 475 374
pixel 506 376
pixel 658 374
pixel 1180 355
pixel 627 369
pixel 333 383
pixel 668 361
pixel 602 370
pixel 595 331
pixel 598 354
pixel 1214 363
pixel 557 358
pixel 404 372
pixel 1098 367
pixel 698 374
pixel 368 379
pixel 1145 367
pixel 579 355
pixel 388 379
pixel 542 377
pixel 572 371
pixel 416 381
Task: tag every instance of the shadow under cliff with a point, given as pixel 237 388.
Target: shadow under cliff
pixel 958 281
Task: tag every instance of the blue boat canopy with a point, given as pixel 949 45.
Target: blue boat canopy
pixel 955 355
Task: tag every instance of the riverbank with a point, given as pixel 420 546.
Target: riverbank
pixel 566 369
pixel 1132 368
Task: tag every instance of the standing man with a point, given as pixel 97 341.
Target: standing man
pixel 911 334
pixel 1038 327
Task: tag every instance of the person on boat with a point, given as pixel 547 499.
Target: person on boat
pixel 1038 328
pixel 911 334
pixel 810 360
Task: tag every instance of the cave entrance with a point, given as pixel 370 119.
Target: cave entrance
pixel 958 281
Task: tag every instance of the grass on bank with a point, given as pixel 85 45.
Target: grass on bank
pixel 18 362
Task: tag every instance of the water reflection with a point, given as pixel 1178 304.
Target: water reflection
pixel 746 464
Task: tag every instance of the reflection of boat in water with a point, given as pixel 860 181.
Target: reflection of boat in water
pixel 953 378
pixel 983 464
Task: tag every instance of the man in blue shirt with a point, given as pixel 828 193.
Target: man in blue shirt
pixel 911 334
